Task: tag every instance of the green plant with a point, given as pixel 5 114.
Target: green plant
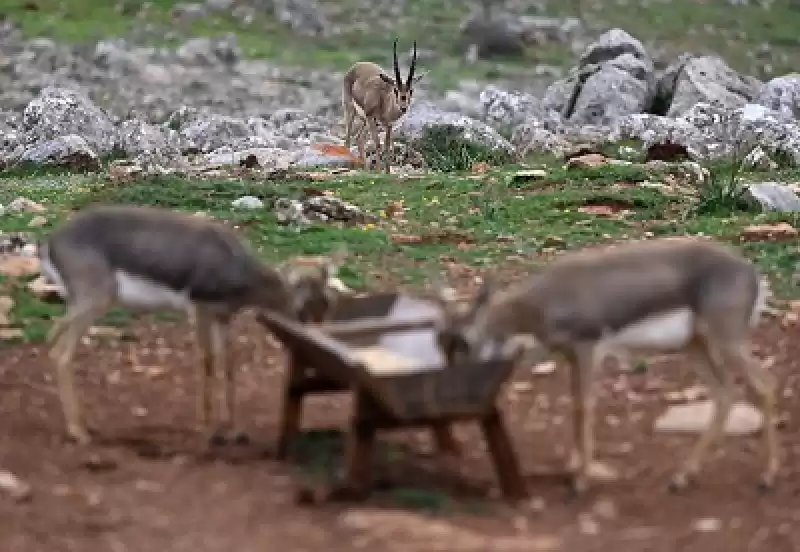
pixel 724 193
pixel 446 149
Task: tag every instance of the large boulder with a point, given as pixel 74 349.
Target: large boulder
pixel 59 112
pixel 705 79
pixel 782 94
pixel 614 77
pixel 424 114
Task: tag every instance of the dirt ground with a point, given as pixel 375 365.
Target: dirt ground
pixel 151 484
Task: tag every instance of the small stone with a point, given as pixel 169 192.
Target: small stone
pixel 6 306
pixel 15 487
pixel 587 525
pixel 24 205
pixel 9 334
pixel 587 161
pixel 605 508
pixel 247 202
pixel 37 221
pixel 544 368
pixel 707 525
pixel 14 266
pixel 695 417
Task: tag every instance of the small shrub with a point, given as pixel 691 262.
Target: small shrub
pixel 724 193
pixel 445 149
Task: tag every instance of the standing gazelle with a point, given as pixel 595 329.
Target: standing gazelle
pixel 378 100
pixel 656 296
pixel 148 258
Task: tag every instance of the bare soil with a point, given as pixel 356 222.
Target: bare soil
pixel 151 483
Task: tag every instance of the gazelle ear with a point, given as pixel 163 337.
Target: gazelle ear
pixel 386 78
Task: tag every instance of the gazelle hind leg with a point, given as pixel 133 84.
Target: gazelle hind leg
pixel 763 384
pixel 709 366
pixel 349 115
pixel 205 367
pixel 583 362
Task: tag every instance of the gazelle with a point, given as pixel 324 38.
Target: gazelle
pixel 662 295
pixel 146 258
pixel 377 99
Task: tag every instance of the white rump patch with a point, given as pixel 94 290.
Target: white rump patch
pixel 664 331
pixel 138 292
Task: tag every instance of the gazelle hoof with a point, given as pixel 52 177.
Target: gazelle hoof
pixel 765 485
pixel 241 438
pixel 218 439
pixel 578 485
pixel 679 482
pixel 79 435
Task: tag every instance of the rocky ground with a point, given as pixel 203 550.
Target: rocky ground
pixel 506 159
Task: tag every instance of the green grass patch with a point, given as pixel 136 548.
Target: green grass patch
pixel 487 220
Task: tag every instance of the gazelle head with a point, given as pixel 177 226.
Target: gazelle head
pixel 403 90
pixel 461 332
pixel 314 286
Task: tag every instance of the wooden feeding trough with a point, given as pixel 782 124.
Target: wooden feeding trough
pixel 382 348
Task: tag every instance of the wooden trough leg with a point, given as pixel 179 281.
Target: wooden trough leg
pixel 445 440
pixel 356 480
pixel 504 458
pixel 292 409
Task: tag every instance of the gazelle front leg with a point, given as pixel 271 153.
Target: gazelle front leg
pixel 349 115
pixel 75 323
pixel 373 131
pixel 387 147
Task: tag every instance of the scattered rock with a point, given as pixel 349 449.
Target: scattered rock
pixel 588 161
pixel 708 79
pixel 425 114
pixel 63 151
pixel 782 94
pixel 6 306
pixel 24 205
pixel 60 112
pixel 773 196
pixel 707 525
pixel 247 202
pixel 15 487
pixel 770 232
pixel 11 334
pixel 695 417
pixel 544 368
pixel 15 266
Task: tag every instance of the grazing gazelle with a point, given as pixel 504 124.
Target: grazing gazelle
pixel 377 99
pixel 666 295
pixel 146 258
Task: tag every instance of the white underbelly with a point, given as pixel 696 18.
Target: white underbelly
pixel 131 291
pixel 140 293
pixel 666 331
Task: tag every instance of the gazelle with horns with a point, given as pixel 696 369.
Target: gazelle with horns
pixel 378 100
